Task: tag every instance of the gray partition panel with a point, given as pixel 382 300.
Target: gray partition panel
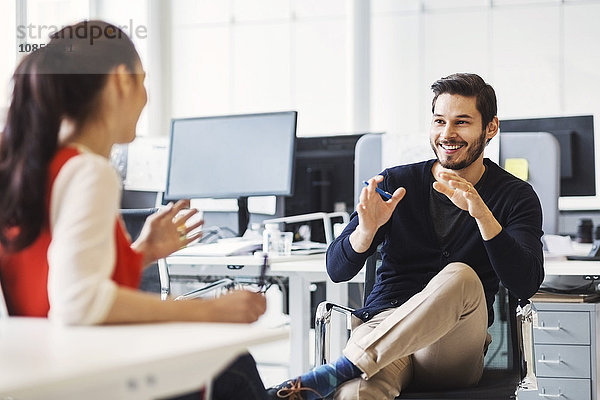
pixel 367 161
pixel 541 149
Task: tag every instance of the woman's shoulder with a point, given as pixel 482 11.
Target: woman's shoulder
pixel 86 182
pixel 89 164
pixel 89 172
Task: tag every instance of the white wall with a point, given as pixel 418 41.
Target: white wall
pixel 262 55
pixel 237 56
pixel 8 47
pixel 242 56
pixel 537 54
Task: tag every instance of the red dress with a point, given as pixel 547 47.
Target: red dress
pixel 24 274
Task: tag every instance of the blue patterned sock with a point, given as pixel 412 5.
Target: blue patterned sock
pixel 326 378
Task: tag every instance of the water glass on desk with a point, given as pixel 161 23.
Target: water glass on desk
pixel 276 242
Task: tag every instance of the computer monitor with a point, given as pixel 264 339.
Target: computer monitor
pixel 324 178
pixel 232 156
pixel 575 135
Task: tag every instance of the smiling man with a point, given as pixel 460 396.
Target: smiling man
pixel 454 228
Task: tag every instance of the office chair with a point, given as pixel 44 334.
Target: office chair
pixel 134 219
pixel 496 383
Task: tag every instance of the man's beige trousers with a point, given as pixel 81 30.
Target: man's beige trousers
pixel 434 340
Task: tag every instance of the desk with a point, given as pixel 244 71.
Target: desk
pixel 565 337
pixel 39 360
pixel 301 270
pixel 566 354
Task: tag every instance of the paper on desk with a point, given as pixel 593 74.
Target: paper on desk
pixel 222 248
pixel 558 245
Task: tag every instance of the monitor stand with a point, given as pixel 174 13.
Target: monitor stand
pixel 243 215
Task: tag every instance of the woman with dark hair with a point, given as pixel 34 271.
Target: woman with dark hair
pixel 64 253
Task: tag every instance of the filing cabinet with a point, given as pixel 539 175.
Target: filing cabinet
pixel 565 350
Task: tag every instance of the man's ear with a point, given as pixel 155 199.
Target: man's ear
pixel 492 128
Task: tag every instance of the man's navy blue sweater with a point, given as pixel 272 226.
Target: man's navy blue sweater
pixel 412 255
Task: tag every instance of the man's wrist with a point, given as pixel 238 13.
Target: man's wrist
pixel 488 226
pixel 361 240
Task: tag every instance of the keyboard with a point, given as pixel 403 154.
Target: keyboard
pixel 583 258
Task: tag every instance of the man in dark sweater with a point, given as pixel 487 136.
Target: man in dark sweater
pixel 453 228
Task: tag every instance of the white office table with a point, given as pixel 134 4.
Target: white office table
pixel 301 270
pixel 559 265
pixel 556 266
pixel 39 360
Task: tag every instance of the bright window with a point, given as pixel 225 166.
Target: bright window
pixel 8 48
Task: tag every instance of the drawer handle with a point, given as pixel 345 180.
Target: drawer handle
pixel 556 362
pixel 551 396
pixel 548 328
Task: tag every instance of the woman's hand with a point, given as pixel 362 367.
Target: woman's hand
pixel 165 231
pixel 373 212
pixel 236 306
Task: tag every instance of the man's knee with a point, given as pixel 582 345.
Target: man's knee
pixel 462 273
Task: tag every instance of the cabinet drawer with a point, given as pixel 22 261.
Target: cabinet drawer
pixel 562 328
pixel 564 389
pixel 562 361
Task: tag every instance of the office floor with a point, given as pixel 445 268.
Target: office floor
pixel 272 361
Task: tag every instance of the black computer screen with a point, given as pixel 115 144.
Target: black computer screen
pixel 576 139
pixel 232 156
pixel 324 178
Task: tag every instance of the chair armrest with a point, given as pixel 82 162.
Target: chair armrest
pixel 322 331
pixel 525 318
pixel 165 279
pixel 225 282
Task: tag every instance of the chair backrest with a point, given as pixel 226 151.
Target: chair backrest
pixel 542 152
pixel 134 219
pixel 367 160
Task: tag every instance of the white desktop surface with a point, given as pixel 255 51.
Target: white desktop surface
pixel 40 360
pixel 562 266
pixel 275 261
pixel 559 265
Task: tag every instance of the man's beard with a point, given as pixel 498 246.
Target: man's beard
pixel 473 153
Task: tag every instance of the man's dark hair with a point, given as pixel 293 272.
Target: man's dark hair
pixel 469 85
